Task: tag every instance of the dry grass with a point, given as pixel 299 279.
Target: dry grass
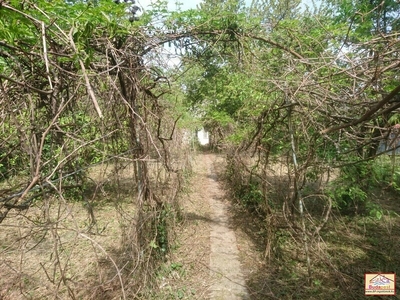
pixel 60 249
pixel 56 250
pixel 82 249
pixel 185 273
pixel 46 258
pixel 346 248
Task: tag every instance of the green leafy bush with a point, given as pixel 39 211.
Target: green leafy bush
pixel 250 196
pixel 348 191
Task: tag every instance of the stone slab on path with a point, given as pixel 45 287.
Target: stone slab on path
pixel 227 279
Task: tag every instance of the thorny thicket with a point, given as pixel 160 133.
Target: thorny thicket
pixel 296 101
pixel 328 114
pixel 90 153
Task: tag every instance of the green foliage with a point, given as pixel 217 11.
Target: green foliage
pixel 13 159
pixel 374 211
pixel 161 242
pixel 381 170
pixel 348 190
pixel 348 199
pixel 367 17
pixel 250 196
pixel 396 181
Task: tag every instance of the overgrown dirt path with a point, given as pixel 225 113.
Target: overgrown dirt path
pixel 225 269
pixel 208 252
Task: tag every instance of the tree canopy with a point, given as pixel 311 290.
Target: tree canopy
pixel 88 82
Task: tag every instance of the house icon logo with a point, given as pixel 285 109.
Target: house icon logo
pixel 382 284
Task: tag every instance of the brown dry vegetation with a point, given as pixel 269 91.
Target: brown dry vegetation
pixel 185 273
pixel 345 248
pixel 57 249
pixel 341 252
pixel 79 84
pixel 85 249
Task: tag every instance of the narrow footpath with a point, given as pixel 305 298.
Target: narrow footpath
pixel 206 264
pixel 225 270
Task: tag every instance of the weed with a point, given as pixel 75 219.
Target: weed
pixel 250 196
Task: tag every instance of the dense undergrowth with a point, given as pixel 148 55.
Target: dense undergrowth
pixel 360 232
pixel 85 244
pixel 302 97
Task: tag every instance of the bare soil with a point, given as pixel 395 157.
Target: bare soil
pixel 209 254
pixel 346 249
pixel 62 249
pixel 218 252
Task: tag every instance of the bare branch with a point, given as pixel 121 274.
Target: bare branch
pixel 368 115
